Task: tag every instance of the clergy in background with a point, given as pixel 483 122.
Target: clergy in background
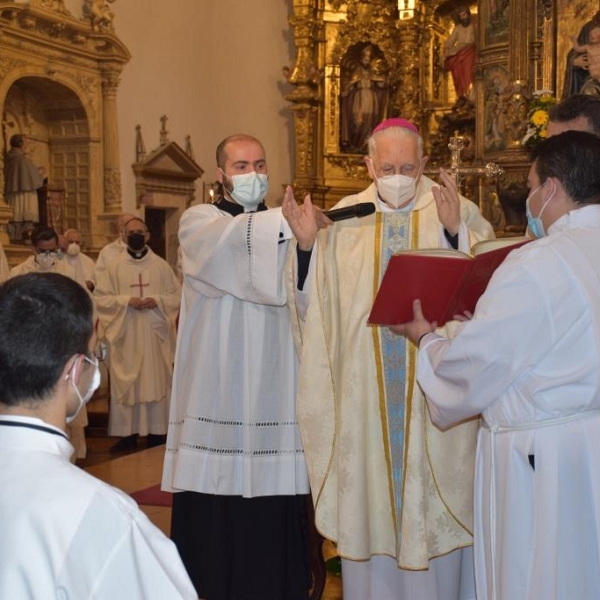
pixel 137 299
pixel 47 257
pixel 393 491
pixel 234 455
pixel 83 264
pixel 114 248
pixel 529 361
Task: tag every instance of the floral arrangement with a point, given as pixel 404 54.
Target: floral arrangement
pixel 537 117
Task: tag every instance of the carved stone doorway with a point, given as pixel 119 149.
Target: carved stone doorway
pixel 54 120
pixel 156 219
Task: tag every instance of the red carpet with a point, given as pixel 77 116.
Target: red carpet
pixel 153 496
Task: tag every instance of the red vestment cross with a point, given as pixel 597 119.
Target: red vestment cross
pixel 140 285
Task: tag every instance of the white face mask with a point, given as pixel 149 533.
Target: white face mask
pixel 397 190
pixel 47 260
pixel 249 189
pixel 73 249
pixel 94 384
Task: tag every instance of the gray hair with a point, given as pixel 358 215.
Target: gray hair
pixel 395 133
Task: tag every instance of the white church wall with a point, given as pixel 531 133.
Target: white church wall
pixel 214 68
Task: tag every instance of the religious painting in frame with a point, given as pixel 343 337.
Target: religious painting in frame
pixel 495 16
pixel 575 19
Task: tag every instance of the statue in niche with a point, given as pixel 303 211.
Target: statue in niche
pixel 459 53
pixel 23 189
pixel 582 75
pixel 363 97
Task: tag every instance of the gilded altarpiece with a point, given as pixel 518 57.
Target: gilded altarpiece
pixel 359 60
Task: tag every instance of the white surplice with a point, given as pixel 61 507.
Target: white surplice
pixel 530 362
pixel 107 255
pixel 66 534
pixel 83 265
pixel 141 343
pixel 30 265
pixel 232 427
pixel 385 481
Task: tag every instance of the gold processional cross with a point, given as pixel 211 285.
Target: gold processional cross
pixel 455 146
pixel 487 171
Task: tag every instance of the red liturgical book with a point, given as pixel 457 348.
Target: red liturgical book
pixel 448 282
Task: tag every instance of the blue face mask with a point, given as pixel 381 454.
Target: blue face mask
pixel 249 189
pixel 535 225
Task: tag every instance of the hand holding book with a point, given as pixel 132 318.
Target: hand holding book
pixel 447 282
pixel 419 326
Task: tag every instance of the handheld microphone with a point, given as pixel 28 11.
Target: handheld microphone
pixel 356 210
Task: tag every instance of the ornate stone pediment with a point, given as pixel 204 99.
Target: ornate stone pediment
pixel 169 162
pixel 48 22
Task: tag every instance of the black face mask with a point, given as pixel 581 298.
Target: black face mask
pixel 136 241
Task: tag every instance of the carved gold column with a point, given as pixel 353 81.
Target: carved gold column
pixel 407 101
pixel 112 173
pixel 305 76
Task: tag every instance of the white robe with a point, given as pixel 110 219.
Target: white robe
pixel 66 534
pixel 529 360
pixel 109 253
pixel 83 265
pixel 30 265
pixel 141 343
pixel 384 480
pixel 232 427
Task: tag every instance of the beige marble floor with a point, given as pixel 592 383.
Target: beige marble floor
pixel 142 469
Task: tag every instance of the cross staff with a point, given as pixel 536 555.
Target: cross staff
pixel 455 146
pixel 140 285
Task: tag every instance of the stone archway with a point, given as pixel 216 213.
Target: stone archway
pixel 58 83
pixel 58 132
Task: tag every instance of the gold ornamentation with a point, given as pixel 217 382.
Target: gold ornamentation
pixel 353 166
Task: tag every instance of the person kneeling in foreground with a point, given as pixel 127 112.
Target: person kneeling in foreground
pixel 529 361
pixel 64 532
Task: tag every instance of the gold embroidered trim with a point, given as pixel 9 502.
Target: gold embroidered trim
pixel 380 378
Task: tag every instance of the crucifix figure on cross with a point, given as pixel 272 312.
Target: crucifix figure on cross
pixel 140 285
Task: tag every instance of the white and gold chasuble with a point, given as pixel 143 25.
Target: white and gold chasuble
pixel 384 479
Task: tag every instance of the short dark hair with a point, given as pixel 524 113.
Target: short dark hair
pixel 45 319
pixel 572 157
pixel 222 150
pixel 43 234
pixel 576 106
pixel 16 141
